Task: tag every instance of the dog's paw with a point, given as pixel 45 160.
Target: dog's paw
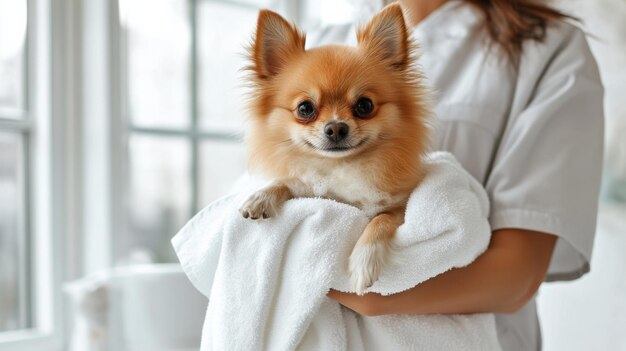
pixel 260 205
pixel 366 263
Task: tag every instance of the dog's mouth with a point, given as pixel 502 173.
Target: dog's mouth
pixel 336 148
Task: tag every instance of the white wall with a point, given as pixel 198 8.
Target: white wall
pixel 590 313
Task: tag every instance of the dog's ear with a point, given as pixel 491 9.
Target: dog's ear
pixel 386 37
pixel 275 42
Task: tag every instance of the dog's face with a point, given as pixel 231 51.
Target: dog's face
pixel 334 101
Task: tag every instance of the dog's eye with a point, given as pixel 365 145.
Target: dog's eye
pixel 363 107
pixel 306 110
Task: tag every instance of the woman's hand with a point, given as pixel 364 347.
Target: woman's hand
pixel 502 280
pixel 366 305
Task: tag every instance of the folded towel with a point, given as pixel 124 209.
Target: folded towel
pixel 267 280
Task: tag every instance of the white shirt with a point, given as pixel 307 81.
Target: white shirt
pixel 532 136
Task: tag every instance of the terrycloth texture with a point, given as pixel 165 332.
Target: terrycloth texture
pixel 267 280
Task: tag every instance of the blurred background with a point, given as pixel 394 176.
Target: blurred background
pixel 120 119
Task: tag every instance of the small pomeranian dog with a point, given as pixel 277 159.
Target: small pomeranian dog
pixel 339 122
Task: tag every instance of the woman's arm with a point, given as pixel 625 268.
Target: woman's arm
pixel 501 280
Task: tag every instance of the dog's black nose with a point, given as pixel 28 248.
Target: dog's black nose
pixel 336 131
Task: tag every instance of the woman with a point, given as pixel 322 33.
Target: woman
pixel 518 101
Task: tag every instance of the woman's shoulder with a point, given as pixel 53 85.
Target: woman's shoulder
pixel 563 54
pixel 562 40
pixel 564 33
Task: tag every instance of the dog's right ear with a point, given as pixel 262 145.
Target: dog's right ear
pixel 275 42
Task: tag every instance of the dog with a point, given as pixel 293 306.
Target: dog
pixel 339 122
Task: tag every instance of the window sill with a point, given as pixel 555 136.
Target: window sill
pixel 29 340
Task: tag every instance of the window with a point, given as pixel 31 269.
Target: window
pixel 30 276
pixel 15 132
pixel 184 111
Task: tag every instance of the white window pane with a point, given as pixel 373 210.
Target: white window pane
pixel 12 270
pixel 158 37
pixel 160 196
pixel 221 164
pixel 259 3
pixel 224 31
pixel 12 56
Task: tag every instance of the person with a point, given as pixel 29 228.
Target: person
pixel 518 101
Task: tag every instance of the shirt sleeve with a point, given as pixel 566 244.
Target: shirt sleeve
pixel 546 172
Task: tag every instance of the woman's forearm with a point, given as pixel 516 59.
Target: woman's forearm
pixel 503 279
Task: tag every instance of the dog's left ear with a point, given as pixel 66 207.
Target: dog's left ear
pixel 386 36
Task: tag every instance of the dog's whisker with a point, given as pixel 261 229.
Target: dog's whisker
pixel 284 141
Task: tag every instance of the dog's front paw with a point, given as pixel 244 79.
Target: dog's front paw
pixel 366 263
pixel 262 204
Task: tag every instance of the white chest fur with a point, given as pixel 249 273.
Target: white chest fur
pixel 349 183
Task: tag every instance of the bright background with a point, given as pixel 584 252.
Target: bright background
pixel 121 119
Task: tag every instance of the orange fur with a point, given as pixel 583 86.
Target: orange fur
pixel 382 67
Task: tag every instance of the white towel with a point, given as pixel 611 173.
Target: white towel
pixel 267 280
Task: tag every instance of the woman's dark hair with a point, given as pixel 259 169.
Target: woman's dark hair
pixel 511 22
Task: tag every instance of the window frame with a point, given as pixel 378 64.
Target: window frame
pixel 43 187
pixel 16 120
pixel 194 133
pixel 22 129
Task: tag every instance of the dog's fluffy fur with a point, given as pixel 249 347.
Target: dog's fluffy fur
pixel 376 165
